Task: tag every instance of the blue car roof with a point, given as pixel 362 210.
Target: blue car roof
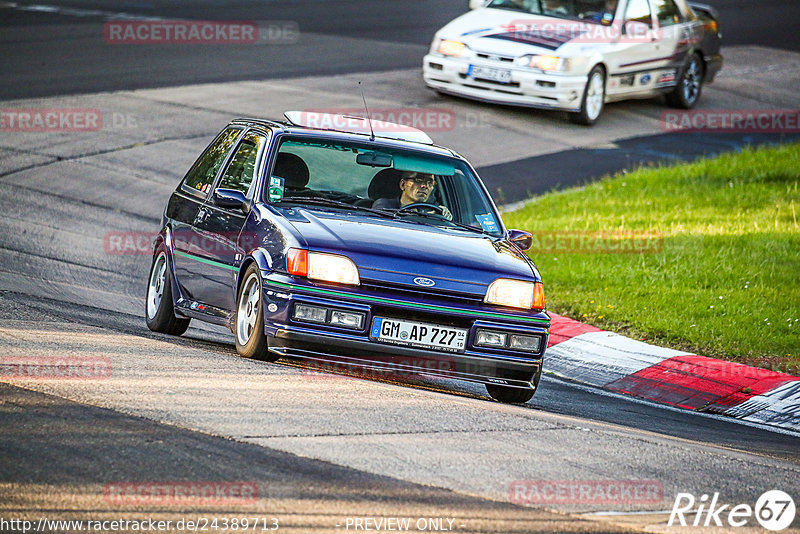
pixel 292 129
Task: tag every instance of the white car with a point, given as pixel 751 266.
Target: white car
pixel 576 55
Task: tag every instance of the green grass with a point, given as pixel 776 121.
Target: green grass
pixel 725 284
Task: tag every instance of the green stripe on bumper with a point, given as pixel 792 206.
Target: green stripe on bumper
pixel 404 303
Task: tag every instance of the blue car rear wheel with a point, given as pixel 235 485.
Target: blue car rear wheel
pixel 159 312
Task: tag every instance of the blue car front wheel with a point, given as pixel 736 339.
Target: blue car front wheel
pixel 249 326
pixel 512 395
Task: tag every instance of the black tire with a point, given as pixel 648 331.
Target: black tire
pixel 690 84
pixel 591 108
pixel 248 328
pixel 159 312
pixel 514 395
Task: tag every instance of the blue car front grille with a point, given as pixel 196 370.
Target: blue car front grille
pixel 413 293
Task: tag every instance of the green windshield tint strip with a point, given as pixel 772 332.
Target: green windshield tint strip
pixel 401 303
pixel 414 163
pixel 209 262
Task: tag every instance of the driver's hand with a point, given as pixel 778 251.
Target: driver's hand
pixel 446 213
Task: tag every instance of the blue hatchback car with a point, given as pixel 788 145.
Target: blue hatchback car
pixel 342 240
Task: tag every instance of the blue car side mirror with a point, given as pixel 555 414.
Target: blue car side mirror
pixel 522 239
pixel 231 199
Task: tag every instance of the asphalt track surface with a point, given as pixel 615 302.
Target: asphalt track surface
pixel 302 495
pixel 411 438
pixel 63 52
pixel 339 448
pixel 57 48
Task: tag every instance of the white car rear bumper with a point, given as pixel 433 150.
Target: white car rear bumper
pixel 526 87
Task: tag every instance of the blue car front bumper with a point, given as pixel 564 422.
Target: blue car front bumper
pixel 355 348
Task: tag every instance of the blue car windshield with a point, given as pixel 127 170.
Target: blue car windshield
pixel 382 180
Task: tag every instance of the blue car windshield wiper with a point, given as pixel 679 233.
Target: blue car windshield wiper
pixel 390 214
pixel 438 217
pixel 322 201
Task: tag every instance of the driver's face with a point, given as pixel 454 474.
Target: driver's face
pixel 417 187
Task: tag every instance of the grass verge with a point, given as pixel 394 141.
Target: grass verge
pixel 702 257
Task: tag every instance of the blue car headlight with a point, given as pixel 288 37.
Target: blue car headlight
pixel 322 266
pixel 516 294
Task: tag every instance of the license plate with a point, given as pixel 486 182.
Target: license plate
pixel 489 73
pixel 415 334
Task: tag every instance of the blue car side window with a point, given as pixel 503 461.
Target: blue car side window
pixel 240 171
pixel 202 174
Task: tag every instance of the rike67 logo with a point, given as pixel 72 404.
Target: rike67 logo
pixel 774 510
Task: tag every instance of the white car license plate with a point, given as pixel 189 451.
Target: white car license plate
pixel 418 334
pixel 489 73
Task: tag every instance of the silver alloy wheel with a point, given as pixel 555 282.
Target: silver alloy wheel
pixel 155 289
pixel 247 313
pixel 595 96
pixel 691 82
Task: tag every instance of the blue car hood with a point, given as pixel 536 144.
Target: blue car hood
pixel 397 252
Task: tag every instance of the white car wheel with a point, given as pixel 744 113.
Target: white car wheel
pixel 594 97
pixel 595 94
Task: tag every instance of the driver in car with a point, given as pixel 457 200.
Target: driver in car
pixel 416 188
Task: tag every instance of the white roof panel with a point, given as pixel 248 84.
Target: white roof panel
pixel 359 125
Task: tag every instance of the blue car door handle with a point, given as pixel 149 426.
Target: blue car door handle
pixel 202 215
